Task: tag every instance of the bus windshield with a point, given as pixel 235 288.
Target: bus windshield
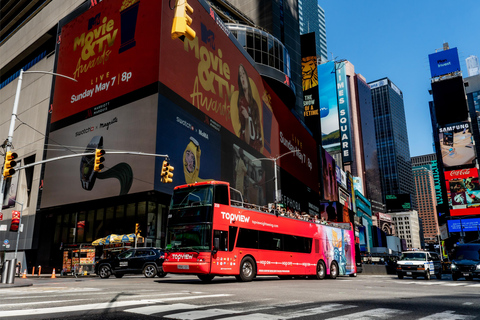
pixel 192 197
pixel 189 237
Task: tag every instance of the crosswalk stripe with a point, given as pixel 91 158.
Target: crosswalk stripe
pixel 379 313
pixel 455 284
pixel 99 306
pixel 200 314
pixel 447 315
pixel 319 310
pixel 149 310
pixel 256 316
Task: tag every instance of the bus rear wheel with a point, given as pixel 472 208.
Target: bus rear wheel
pixel 333 270
pixel 205 277
pixel 247 269
pixel 321 270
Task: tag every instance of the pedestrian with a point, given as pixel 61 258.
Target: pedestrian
pixel 18 269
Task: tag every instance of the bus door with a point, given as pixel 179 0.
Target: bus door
pixel 224 261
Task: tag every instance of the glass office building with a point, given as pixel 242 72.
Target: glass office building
pixel 392 139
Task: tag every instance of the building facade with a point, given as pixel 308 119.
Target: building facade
pixel 392 139
pixel 312 19
pixel 473 67
pixel 408 228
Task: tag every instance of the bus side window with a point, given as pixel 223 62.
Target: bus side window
pixel 223 239
pixel 221 194
pixel 232 235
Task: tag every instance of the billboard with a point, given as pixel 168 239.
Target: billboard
pixel 107 50
pixel 205 113
pixel 398 202
pixel 456 143
pixel 463 191
pixel 344 113
pixel 444 62
pixel 330 187
pixel 327 92
pixel 449 100
pixel 311 104
pixel 464 225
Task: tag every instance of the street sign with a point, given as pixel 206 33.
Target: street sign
pixel 3 227
pixel 5 242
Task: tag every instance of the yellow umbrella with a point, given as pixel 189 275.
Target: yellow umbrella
pixel 99 242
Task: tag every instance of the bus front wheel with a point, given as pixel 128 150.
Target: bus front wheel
pixel 320 270
pixel 333 270
pixel 247 269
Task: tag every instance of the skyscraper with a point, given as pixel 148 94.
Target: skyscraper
pixel 472 66
pixel 312 19
pixel 392 139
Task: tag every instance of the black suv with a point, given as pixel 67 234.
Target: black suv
pixel 466 261
pixel 148 261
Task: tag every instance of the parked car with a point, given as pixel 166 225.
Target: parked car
pixel 419 263
pixel 148 261
pixel 465 261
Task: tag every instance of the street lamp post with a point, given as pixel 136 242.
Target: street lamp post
pixel 8 142
pixel 274 159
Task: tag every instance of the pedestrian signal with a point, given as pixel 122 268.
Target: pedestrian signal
pixel 98 166
pixel 10 162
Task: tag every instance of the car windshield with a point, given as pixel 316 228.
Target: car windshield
pixel 467 253
pixel 417 256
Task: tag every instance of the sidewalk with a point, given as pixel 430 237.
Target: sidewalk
pixel 19 282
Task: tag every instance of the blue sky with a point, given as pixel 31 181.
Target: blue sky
pixel 386 38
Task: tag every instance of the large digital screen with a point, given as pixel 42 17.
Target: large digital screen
pixel 444 62
pixel 398 202
pixel 449 101
pixel 327 91
pixel 464 225
pixel 311 105
pixel 330 187
pixel 456 143
pixel 463 191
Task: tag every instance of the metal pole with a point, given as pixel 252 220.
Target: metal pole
pixel 276 183
pixel 19 226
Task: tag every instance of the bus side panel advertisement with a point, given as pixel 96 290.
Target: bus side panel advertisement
pixel 463 190
pixel 111 49
pixel 73 179
pixel 334 243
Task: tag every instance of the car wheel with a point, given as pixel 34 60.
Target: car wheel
pixel 247 269
pixel 427 274
pixel 353 275
pixel 119 275
pixel 149 271
pixel 205 277
pixel 454 276
pixel 333 270
pixel 400 276
pixel 439 276
pixel 469 278
pixel 321 270
pixel 104 272
pixel 414 277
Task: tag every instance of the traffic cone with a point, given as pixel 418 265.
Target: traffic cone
pixel 24 276
pixel 53 274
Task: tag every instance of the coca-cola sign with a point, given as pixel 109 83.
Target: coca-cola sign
pixel 461 174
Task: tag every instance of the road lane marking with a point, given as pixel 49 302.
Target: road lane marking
pixel 379 313
pixel 447 315
pixel 256 316
pixel 319 310
pixel 201 314
pixel 149 310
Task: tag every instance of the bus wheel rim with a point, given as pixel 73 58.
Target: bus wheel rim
pixel 247 269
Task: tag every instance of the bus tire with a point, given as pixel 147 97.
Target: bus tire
pixel 333 270
pixel 321 270
pixel 247 269
pixel 205 277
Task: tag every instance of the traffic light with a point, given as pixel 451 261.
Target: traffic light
pixel 98 166
pixel 137 229
pixel 181 21
pixel 10 162
pixel 167 172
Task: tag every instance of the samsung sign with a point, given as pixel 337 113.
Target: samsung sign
pixel 444 62
pixel 344 113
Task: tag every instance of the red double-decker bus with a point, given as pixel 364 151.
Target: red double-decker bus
pixel 209 235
